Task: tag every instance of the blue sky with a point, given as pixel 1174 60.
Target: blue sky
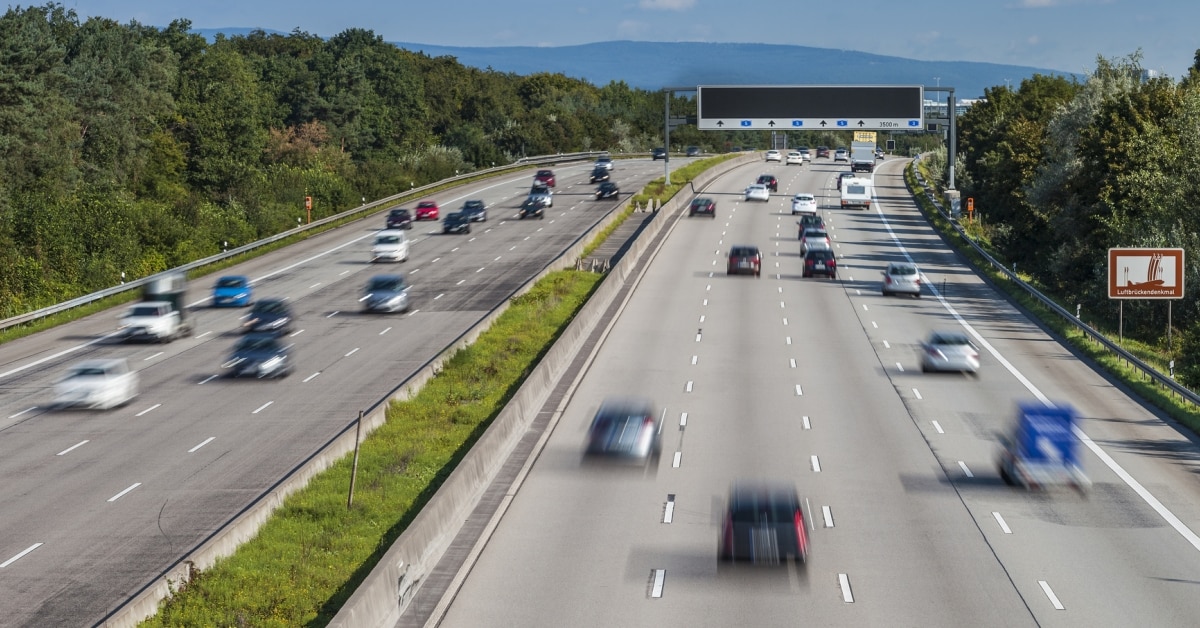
pixel 1062 35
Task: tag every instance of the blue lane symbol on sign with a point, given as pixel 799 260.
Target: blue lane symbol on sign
pixel 747 123
pixel 797 122
pixel 843 123
pixel 914 123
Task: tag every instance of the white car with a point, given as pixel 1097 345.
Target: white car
pixel 949 351
pixel 391 245
pixel 901 277
pixel 804 203
pixel 758 192
pixel 99 384
pixel 773 155
pixel 794 158
pixel 604 162
pixel 805 153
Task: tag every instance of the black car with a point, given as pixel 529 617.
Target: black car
pixel 600 173
pixel 703 205
pixel 693 151
pixel 608 189
pixel 658 153
pixel 532 208
pixel 843 176
pixel 809 221
pixel 764 523
pixel 625 429
pixel 820 262
pixel 744 259
pixel 399 219
pixel 456 222
pixel 269 316
pixel 475 211
pixel 770 181
pixel 259 355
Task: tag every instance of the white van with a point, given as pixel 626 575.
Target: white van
pixel 857 192
pixel 391 245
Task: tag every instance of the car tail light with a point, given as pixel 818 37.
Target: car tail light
pixel 917 281
pixel 887 279
pixel 801 533
pixel 727 536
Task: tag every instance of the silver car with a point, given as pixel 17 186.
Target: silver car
pixel 815 240
pixel 385 293
pixel 626 429
pixel 949 351
pixel 901 278
pixel 758 192
pixel 98 384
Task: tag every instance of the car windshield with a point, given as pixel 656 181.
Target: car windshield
pixel 392 284
pixel 231 282
pixel 89 371
pixel 950 340
pixel 270 307
pixel 257 343
pixel 902 270
pixel 387 239
pixel 144 310
pixel 426 205
pixel 473 205
pixel 804 197
pixel 399 213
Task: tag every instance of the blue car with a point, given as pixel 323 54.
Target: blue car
pixel 232 291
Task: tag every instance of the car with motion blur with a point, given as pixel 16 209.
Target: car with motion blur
pixel 820 262
pixel 703 206
pixel 879 152
pixel 399 219
pixel 774 155
pixel 232 291
pixel 693 151
pixel 804 203
pixel 599 173
pixel 809 221
pixel 426 210
pixel 764 523
pixel 542 193
pixel 744 259
pixel 604 161
pixel 391 245
pixel 98 384
pixel 658 153
pixel 758 192
pixel 843 176
pixel 269 316
pixel 901 278
pixel 625 429
pixel 531 208
pixel 793 159
pixel 949 351
pixel 456 222
pixel 814 239
pixel 545 177
pixel 823 151
pixel 841 154
pixel 385 293
pixel 474 210
pixel 259 355
pixel 768 180
pixel 608 189
pixel 805 153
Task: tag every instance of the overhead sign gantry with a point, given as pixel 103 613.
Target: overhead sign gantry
pixel 811 107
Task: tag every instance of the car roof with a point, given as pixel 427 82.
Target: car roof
pixel 427 204
pixel 743 249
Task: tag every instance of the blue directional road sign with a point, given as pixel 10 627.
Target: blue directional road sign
pixel 772 107
pixel 747 123
pixel 797 122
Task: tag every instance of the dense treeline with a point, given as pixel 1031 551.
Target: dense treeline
pixel 128 148
pixel 1063 170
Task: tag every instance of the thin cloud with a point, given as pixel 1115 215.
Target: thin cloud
pixel 667 5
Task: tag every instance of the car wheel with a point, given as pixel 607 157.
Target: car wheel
pixel 924 367
pixel 885 293
pixel 917 295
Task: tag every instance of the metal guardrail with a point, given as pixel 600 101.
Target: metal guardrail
pixel 1148 372
pixel 524 162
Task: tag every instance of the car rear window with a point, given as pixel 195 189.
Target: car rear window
pixel 951 339
pixel 903 270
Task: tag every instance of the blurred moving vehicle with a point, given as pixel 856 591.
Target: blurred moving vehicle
pixel 744 259
pixel 794 158
pixel 809 221
pixel 161 315
pixel 456 222
pixel 901 278
pixel 533 208
pixel 704 206
pixel 823 151
pixel 385 293
pixel 949 351
pixel 804 203
pixel 1042 448
pixel 815 239
pixel 768 180
pixel 625 429
pixel 608 189
pixel 599 173
pixel 604 161
pixel 805 153
pixel 773 155
pixel 545 177
pixel 232 291
pixel 542 193
pixel 269 316
pixel 693 151
pixel 658 153
pixel 820 262
pixel 474 210
pixel 758 192
pixel 879 152
pixel 764 524
pixel 427 210
pixel 259 355
pixel 399 219
pixel 96 384
pixel 391 245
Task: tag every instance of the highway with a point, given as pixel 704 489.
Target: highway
pixel 817 383
pixel 95 505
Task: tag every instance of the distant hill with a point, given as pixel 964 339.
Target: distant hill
pixel 653 65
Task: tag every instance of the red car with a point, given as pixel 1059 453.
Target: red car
pixel 426 210
pixel 744 259
pixel 545 176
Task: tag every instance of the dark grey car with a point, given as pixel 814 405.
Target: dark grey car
pixel 475 211
pixel 259 355
pixel 764 524
pixel 270 316
pixel 625 429
pixel 386 293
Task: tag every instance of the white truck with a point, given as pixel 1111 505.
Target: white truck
pixel 857 192
pixel 862 156
pixel 161 315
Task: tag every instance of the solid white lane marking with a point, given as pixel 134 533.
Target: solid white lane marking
pixel 124 492
pixel 386 330
pixel 1050 594
pixel 917 393
pixel 208 379
pixel 205 442
pixel 660 579
pixel 30 409
pixel 900 367
pixel 689 386
pixel 72 447
pixel 155 406
pixel 669 512
pixel 799 391
pixel 683 420
pixel 828 514
pixel 816 464
pixel 203 335
pixel 153 356
pixel 675 462
pixel 19 556
pixel 807 425
pixel 844 583
pixel 262 407
pixel 792 361
pixel 1000 520
pixel 962 465
pixel 937 426
pixel 310 377
pixel 352 352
